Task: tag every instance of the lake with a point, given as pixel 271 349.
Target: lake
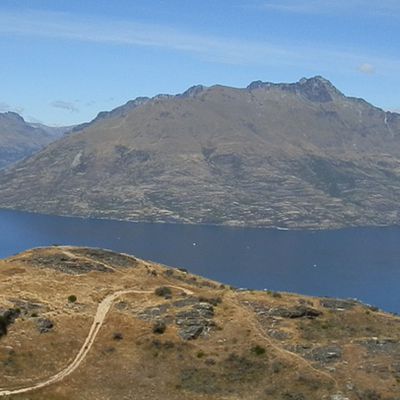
pixel 361 263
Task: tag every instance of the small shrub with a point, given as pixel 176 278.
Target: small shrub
pixel 34 315
pixel 211 300
pixel 163 291
pixel 3 325
pixel 201 354
pixel 72 298
pixel 271 293
pixel 118 336
pixel 159 327
pixel 258 350
pixel 7 319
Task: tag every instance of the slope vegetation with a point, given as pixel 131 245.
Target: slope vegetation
pixel 299 155
pixel 92 324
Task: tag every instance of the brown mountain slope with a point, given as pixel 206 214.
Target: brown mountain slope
pixel 299 155
pixel 90 324
pixel 18 139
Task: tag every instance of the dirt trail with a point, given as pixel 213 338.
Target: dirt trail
pixel 69 254
pixel 102 311
pixel 290 355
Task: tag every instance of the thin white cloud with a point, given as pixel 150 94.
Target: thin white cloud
pixel 367 69
pixel 4 107
pixel 390 8
pixel 64 105
pixel 64 26
pixel 33 120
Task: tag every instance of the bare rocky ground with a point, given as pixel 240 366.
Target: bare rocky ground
pixel 182 336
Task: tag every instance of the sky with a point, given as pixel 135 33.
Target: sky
pixel 63 61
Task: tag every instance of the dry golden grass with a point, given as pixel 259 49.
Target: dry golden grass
pixel 249 353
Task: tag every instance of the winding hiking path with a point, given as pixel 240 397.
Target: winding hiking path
pixel 102 311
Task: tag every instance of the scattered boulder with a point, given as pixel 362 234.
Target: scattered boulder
pixel 300 311
pixel 195 321
pixel 191 332
pixel 339 396
pixel 122 306
pixel 325 354
pixel 159 327
pixel 338 304
pixel 67 265
pixel 107 257
pixel 153 313
pixel 278 334
pixel 215 301
pixel 205 310
pixel 28 308
pixel 188 301
pixel 387 346
pixel 45 325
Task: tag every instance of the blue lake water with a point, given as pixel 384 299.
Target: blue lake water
pixel 361 263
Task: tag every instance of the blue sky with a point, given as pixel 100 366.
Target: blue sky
pixel 63 61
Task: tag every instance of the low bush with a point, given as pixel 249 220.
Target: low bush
pixel 159 327
pixel 117 336
pixel 72 298
pixel 163 291
pixel 258 350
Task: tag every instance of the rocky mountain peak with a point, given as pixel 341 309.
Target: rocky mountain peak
pixel 259 84
pixel 193 91
pixel 11 115
pixel 315 89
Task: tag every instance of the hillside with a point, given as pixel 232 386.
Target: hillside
pixel 19 139
pixel 55 131
pixel 79 323
pixel 300 155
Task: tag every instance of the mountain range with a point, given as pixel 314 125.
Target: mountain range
pixel 20 139
pixel 301 155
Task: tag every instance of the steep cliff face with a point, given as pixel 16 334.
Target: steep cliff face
pixel 91 324
pixel 301 155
